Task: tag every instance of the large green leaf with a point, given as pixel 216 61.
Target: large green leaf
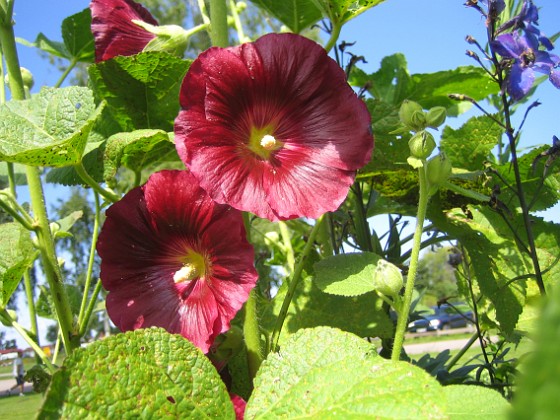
pixel 341 11
pixel 16 256
pixel 142 91
pixel 474 402
pixel 146 373
pixel 362 315
pixel 50 129
pixel 539 386
pixel 469 147
pixel 136 150
pixel 295 14
pixel 325 373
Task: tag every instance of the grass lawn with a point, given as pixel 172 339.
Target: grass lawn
pixel 20 408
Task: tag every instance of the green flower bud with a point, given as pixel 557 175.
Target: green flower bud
pixel 240 6
pixel 387 278
pixel 412 115
pixel 438 171
pixel 170 38
pixel 436 116
pixel 27 77
pixel 421 145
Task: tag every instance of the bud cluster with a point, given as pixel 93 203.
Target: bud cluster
pixel 422 144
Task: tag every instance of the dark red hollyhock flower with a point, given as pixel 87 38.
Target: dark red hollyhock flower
pixel 173 258
pixel 272 127
pixel 113 29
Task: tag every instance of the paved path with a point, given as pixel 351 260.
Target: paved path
pixel 6 382
pixel 436 346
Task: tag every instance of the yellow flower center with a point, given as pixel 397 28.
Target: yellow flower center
pixel 194 266
pixel 263 143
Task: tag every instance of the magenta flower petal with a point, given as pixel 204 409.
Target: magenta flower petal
pixel 272 127
pixel 113 29
pixel 239 406
pixel 173 258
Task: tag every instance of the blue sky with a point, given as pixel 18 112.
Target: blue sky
pixel 429 33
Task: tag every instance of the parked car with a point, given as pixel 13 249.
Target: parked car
pixel 444 317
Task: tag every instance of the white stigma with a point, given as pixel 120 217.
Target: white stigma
pixel 268 142
pixel 187 272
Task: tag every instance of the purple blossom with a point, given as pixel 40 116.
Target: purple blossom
pixel 526 59
pixel 526 20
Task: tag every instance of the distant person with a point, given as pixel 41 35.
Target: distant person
pixel 18 372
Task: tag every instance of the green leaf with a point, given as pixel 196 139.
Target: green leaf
pixel 501 270
pixel 62 227
pixel 341 11
pixel 77 36
pixel 295 14
pixel 540 194
pixel 356 274
pixel 139 374
pixel 45 304
pixel 474 402
pixel 470 146
pixel 141 91
pixel 432 89
pixel 58 49
pixel 325 373
pixel 539 385
pixel 16 256
pixel 362 315
pixel 50 129
pixel 136 150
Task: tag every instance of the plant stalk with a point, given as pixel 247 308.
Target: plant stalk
pixel 402 321
pixel 218 23
pixel 293 285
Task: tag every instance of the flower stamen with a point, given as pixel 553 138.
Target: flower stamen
pixel 268 142
pixel 194 266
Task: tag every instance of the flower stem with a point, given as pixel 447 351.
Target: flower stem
pixel 66 72
pixel 109 195
pixel 44 236
pixel 218 23
pixel 293 285
pixel 237 22
pixel 87 314
pixel 413 266
pixel 335 33
pixel 288 249
pixel 82 321
pixel 31 307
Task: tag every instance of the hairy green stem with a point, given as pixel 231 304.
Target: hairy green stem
pixel 108 195
pixel 413 266
pixel 44 236
pixel 251 328
pixel 22 218
pixel 251 332
pixel 293 285
pixel 203 12
pixel 91 259
pixel 218 23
